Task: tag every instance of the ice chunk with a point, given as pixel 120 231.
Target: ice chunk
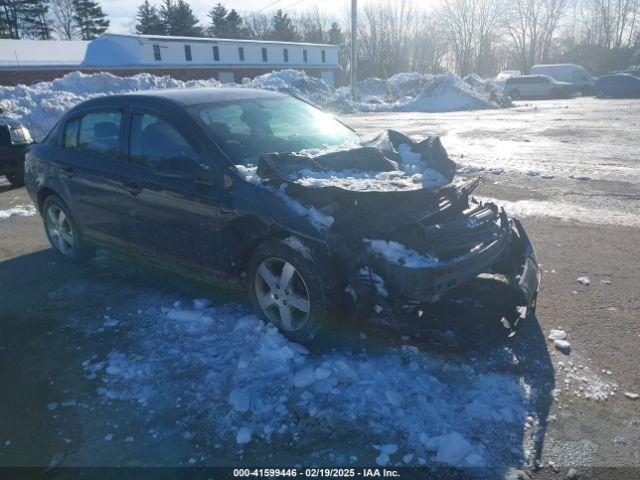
pixel 108 437
pixel 385 452
pixel 584 280
pixel 240 400
pixel 451 449
pixel 243 436
pixel 631 395
pixel 305 377
pixel 557 335
pixel 52 405
pixel 202 303
pixel 562 345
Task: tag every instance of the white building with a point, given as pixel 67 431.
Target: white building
pixel 185 58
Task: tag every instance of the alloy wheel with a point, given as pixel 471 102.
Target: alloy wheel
pixel 282 294
pixel 60 230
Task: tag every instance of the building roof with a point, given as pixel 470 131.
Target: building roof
pixel 34 53
pixel 167 38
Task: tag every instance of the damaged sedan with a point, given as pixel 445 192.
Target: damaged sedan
pixel 260 191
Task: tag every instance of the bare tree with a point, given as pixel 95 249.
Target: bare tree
pixel 63 23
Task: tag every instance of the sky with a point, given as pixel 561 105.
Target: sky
pixel 122 13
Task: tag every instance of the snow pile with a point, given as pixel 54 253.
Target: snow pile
pixel 415 92
pixel 42 104
pixel 397 253
pixel 298 84
pixel 223 376
pixel 18 211
pixel 494 91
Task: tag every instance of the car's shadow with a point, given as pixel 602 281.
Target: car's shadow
pixel 480 343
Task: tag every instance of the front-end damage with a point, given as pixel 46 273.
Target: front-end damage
pixel 400 243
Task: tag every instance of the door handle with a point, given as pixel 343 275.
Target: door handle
pixel 132 188
pixel 67 172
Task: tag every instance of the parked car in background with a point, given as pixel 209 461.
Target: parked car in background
pixel 204 182
pixel 14 139
pixel 618 85
pixel 502 77
pixel 576 75
pixel 537 86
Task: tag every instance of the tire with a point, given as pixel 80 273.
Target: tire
pixel 310 294
pixel 63 234
pixel 16 180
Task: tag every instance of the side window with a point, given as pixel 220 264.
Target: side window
pixel 241 54
pixel 264 54
pixel 71 134
pixel 187 53
pixel 304 56
pixel 285 55
pixel 154 139
pixel 216 53
pixel 99 133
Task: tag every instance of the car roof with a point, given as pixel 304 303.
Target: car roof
pixel 186 97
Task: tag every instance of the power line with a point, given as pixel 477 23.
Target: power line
pixel 294 4
pixel 268 5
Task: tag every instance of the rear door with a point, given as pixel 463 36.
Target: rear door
pixel 177 219
pixel 90 168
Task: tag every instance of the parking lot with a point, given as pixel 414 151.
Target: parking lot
pixel 97 370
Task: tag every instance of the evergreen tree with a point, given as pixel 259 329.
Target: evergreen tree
pixel 218 16
pixel 178 19
pixel 282 28
pixel 226 23
pixel 148 20
pixel 335 35
pixel 90 19
pixel 24 18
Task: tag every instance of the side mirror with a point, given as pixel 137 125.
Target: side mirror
pixel 179 167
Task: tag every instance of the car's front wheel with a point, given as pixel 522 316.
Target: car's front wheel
pixel 293 288
pixel 62 231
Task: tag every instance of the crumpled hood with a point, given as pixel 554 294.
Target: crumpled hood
pixel 391 162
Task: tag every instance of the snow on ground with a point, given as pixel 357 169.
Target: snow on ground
pixel 224 377
pixel 42 104
pixel 564 211
pixel 18 211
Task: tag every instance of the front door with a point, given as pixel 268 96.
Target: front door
pixel 178 217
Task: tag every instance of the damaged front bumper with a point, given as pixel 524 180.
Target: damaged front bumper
pixel 507 251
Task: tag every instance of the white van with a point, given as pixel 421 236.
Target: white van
pixel 579 76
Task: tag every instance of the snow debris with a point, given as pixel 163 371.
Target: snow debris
pixel 240 400
pixel 376 279
pixel 395 252
pixel 244 435
pixel 557 335
pixel 18 211
pixel 632 396
pixel 584 280
pixel 296 244
pixel 261 388
pixel 202 303
pixel 572 473
pixel 453 449
pixel 580 381
pixel 385 452
pixel 562 345
pixel 108 437
pixel 52 405
pixel 305 377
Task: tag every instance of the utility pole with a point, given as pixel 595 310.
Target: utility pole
pixel 354 50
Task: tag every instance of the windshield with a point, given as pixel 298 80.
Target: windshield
pixel 246 129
